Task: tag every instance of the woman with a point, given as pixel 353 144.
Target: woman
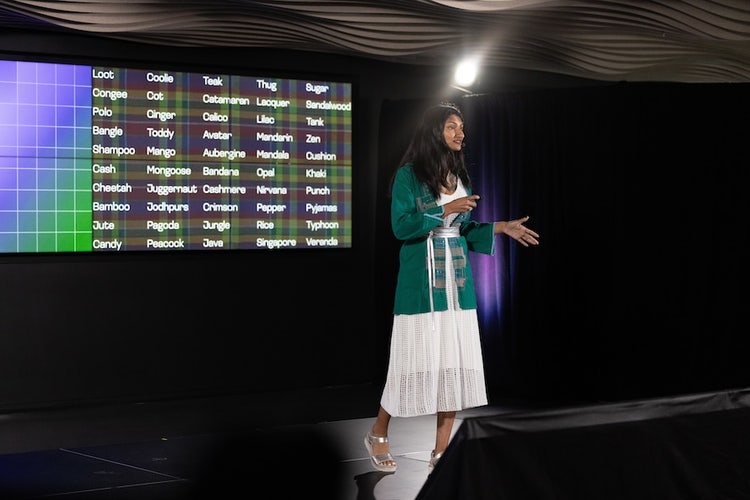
pixel 435 364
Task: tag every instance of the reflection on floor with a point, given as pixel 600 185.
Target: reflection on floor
pixel 213 448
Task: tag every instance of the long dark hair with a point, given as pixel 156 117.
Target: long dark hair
pixel 428 153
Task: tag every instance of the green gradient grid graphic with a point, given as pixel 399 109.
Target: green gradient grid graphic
pixel 45 157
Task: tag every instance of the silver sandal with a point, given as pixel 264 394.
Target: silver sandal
pixel 379 462
pixel 434 459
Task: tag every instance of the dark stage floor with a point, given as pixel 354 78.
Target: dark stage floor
pixel 237 446
pixel 309 444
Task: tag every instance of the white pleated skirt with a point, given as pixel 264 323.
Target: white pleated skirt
pixel 435 362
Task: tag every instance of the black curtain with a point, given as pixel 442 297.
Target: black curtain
pixel 638 288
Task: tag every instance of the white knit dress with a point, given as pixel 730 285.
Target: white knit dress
pixel 435 360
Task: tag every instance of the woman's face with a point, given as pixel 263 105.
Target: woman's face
pixel 453 132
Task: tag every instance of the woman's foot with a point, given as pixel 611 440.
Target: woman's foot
pixel 380 454
pixel 434 459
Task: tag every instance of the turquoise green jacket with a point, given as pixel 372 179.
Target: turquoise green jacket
pixel 414 213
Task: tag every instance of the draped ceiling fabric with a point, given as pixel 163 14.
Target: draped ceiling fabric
pixel 616 40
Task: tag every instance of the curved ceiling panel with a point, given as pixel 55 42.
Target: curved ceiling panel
pixel 682 41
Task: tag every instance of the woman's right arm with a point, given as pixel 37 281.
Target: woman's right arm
pixel 407 220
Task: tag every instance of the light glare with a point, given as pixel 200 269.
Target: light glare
pixel 466 72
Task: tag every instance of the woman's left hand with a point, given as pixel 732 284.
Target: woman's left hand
pixel 522 234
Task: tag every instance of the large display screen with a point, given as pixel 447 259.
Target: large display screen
pixel 112 159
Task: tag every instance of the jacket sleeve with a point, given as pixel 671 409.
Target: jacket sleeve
pixel 480 236
pixel 409 218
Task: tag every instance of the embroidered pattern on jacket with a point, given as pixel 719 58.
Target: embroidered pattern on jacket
pixel 457 258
